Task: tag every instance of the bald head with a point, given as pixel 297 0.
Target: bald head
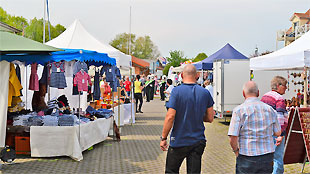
pixel 250 89
pixel 189 71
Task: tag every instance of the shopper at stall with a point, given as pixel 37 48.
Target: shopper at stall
pixel 275 99
pixel 123 90
pixel 138 94
pixel 189 106
pixel 250 133
pixel 127 84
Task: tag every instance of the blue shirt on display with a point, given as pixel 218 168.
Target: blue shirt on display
pixel 190 102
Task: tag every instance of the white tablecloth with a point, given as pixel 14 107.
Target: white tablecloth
pixel 127 113
pixel 51 141
pixel 121 121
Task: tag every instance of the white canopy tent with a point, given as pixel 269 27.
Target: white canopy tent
pixel 294 56
pixel 77 37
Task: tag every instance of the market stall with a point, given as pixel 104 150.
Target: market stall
pixel 77 37
pixel 295 56
pixel 55 116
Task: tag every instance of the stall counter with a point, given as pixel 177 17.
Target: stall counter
pixel 52 141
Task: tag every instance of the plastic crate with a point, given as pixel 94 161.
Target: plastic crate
pixel 22 145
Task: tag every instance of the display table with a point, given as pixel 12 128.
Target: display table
pixel 127 113
pixel 51 141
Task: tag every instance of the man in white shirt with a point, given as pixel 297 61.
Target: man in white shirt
pixel 168 91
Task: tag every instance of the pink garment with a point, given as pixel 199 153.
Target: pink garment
pixel 34 79
pixel 81 79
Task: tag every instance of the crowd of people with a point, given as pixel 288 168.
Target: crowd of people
pixel 256 131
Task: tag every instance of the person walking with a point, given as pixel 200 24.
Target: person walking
pixel 275 99
pixel 189 106
pixel 251 128
pixel 138 94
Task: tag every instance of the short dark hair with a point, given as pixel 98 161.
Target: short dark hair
pixel 138 77
pixel 169 81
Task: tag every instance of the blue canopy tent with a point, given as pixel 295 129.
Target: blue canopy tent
pixel 93 57
pixel 227 52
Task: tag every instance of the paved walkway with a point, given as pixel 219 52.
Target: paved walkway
pixel 139 151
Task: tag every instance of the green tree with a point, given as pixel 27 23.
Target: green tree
pixel 18 22
pixel 175 59
pixel 141 47
pixel 200 57
pixel 121 42
pixel 32 30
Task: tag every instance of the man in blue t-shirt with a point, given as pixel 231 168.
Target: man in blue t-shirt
pixel 189 106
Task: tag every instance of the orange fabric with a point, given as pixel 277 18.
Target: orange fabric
pixel 14 85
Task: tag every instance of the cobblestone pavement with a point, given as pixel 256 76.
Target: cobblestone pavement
pixel 139 151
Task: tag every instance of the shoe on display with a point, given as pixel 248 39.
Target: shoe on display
pixel 140 111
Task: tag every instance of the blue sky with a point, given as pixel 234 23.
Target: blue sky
pixel 192 26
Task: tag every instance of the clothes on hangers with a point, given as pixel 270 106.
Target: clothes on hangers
pixel 45 74
pixel 34 79
pixel 17 69
pixel 96 85
pixel 78 66
pixel 14 85
pixel 81 78
pixel 109 72
pixel 58 79
pixel 69 66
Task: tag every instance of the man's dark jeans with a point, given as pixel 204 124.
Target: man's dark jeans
pixel 193 154
pixel 254 164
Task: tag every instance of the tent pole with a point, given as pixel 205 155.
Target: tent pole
pixel 79 116
pixel 48 82
pixel 44 14
pixel 222 88
pixel 305 87
pixel 119 107
pixel 26 87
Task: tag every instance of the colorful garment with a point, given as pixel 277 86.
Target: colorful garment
pixel 277 102
pixel 96 86
pixel 254 123
pixel 110 73
pixel 78 66
pixel 138 87
pixel 127 85
pixel 14 85
pixel 34 79
pixel 58 79
pixel 81 78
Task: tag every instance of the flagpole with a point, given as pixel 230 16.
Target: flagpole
pixel 44 20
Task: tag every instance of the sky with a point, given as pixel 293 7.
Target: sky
pixel 192 26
